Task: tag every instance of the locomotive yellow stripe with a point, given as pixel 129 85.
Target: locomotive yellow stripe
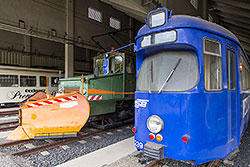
pixel 96 91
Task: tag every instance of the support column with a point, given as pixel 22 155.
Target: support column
pixel 69 46
pixel 27 43
pixel 205 9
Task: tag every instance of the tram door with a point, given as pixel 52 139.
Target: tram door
pixel 232 92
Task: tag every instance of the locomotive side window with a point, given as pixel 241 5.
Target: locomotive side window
pixel 27 81
pixel 43 81
pixel 231 70
pixel 212 64
pixel 8 80
pixel 168 71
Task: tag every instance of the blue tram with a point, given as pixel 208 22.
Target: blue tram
pixel 192 93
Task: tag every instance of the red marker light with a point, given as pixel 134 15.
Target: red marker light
pixel 151 136
pixel 133 129
pixel 184 139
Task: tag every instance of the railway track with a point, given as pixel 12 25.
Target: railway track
pixel 8 124
pixel 155 163
pixel 159 163
pixel 213 163
pixel 9 113
pixel 53 144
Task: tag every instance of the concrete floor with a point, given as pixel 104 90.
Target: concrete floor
pixel 104 156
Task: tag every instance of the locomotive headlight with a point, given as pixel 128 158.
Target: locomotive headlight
pixel 61 90
pixel 155 124
pixel 84 91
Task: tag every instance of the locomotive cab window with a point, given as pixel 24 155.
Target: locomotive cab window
pixel 168 71
pixel 116 64
pixel 130 65
pixel 212 64
pixel 99 64
pixel 27 81
pixel 54 81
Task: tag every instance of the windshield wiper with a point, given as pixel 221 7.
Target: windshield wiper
pixel 151 74
pixel 170 75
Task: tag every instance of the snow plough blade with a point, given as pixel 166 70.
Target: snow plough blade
pixel 52 117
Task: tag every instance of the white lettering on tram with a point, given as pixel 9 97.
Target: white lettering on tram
pixel 141 103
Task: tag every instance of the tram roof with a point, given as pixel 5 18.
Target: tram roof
pixel 185 21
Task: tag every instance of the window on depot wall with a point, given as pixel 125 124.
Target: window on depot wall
pixel 94 14
pixel 114 23
pixel 28 81
pixel 8 80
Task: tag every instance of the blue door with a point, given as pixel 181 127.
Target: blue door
pixel 232 94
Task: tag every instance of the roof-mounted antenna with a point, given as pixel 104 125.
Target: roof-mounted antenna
pixel 170 13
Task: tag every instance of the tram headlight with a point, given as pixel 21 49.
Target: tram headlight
pixel 155 124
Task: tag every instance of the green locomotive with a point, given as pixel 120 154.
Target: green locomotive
pixel 110 90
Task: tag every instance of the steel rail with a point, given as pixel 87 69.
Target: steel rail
pixel 9 123
pixel 213 163
pixel 11 112
pixel 8 128
pixel 13 143
pixel 61 142
pixel 154 163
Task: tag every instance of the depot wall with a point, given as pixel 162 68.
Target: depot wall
pixel 50 15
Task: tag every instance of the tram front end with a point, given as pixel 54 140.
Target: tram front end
pixel 174 117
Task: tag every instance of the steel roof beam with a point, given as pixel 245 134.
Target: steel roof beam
pixel 238 24
pixel 236 29
pixel 246 46
pixel 234 4
pixel 233 17
pixel 248 53
pixel 241 38
pixel 231 10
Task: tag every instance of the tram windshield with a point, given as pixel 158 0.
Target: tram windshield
pixel 168 71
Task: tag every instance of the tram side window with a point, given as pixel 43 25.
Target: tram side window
pixel 245 74
pixel 54 81
pixel 27 81
pixel 231 70
pixel 8 80
pixel 212 64
pixel 43 81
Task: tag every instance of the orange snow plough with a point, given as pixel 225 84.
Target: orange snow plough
pixel 44 116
